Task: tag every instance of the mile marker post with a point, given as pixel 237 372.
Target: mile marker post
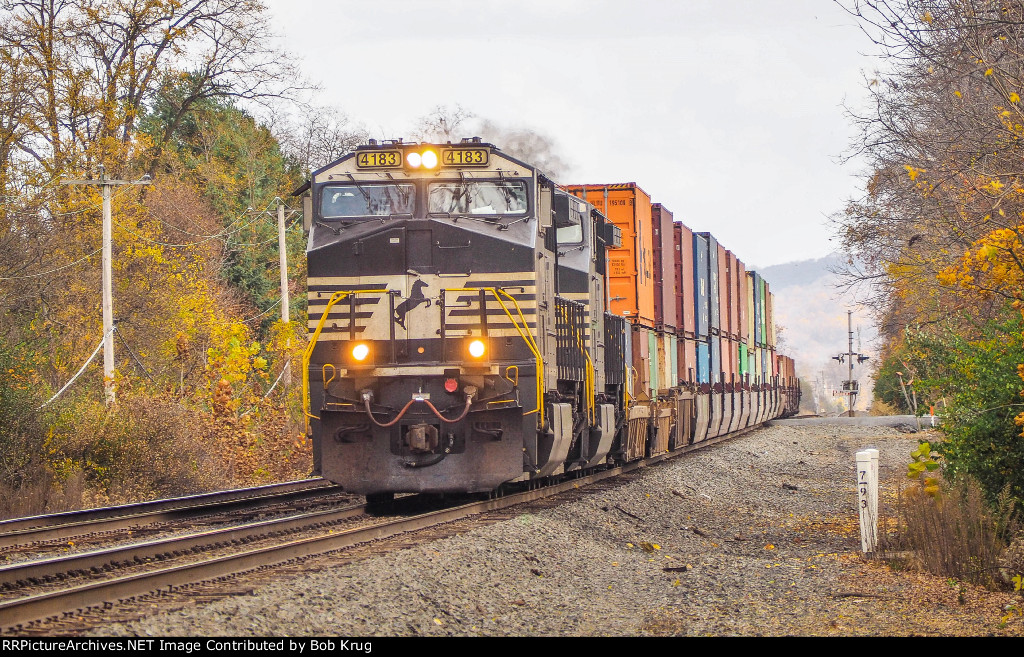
pixel 867 498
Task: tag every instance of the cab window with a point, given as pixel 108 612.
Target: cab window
pixel 353 200
pixel 478 197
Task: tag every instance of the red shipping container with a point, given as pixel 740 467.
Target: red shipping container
pixel 663 239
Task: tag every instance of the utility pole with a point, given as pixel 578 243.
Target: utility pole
pixel 850 386
pixel 108 292
pixel 283 255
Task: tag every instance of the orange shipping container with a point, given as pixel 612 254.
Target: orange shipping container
pixel 630 271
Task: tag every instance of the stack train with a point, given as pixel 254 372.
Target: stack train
pixel 473 323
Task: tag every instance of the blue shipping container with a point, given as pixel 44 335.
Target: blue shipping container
pixel 703 362
pixel 701 285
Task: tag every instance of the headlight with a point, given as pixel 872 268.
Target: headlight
pixel 477 348
pixel 414 160
pixel 429 159
pixel 360 351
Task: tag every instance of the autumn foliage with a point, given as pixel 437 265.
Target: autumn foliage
pixel 937 234
pixel 165 88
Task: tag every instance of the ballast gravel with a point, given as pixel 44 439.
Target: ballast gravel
pixel 754 536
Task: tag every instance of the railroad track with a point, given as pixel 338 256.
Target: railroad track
pixel 59 592
pixel 62 526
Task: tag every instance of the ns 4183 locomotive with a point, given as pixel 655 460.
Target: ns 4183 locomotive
pixel 464 334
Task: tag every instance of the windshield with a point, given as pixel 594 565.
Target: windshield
pixel 478 197
pixel 352 200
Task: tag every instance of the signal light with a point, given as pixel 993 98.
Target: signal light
pixel 429 159
pixel 414 160
pixel 451 385
pixel 477 348
pixel 360 351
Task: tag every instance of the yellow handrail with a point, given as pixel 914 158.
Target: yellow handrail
pixel 523 333
pixel 308 353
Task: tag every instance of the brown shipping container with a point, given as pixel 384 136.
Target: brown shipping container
pixel 630 274
pixel 663 239
pixel 685 302
pixel 741 306
pixel 723 290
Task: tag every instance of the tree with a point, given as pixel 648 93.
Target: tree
pixel 939 227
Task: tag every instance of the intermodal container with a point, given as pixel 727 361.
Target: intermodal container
pixel 729 360
pixel 685 302
pixel 742 303
pixel 762 305
pixel 687 360
pixel 714 307
pixel 716 359
pixel 744 360
pixel 751 332
pixel 701 284
pixel 770 317
pixel 654 373
pixel 663 239
pixel 668 375
pixel 723 290
pixel 630 268
pixel 758 290
pixel 703 361
pixel 734 295
pixel 641 367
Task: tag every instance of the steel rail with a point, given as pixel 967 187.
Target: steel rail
pixel 104 594
pixel 15 525
pixel 50 567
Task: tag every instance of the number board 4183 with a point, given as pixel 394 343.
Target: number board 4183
pixel 378 159
pixel 464 157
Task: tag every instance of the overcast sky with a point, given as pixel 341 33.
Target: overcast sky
pixel 729 112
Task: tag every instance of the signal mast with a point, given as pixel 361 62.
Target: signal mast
pixel 850 387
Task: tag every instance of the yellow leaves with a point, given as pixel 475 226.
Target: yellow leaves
pixel 1014 97
pixel 912 171
pixel 927 17
pixel 957 94
pixel 988 72
pixel 769 547
pixel 993 186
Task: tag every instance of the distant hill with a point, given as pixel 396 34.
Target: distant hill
pixel 811 308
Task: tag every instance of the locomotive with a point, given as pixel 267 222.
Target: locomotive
pixel 472 324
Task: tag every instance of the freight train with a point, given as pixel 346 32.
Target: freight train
pixel 472 323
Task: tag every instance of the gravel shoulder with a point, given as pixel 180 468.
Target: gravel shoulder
pixel 757 536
